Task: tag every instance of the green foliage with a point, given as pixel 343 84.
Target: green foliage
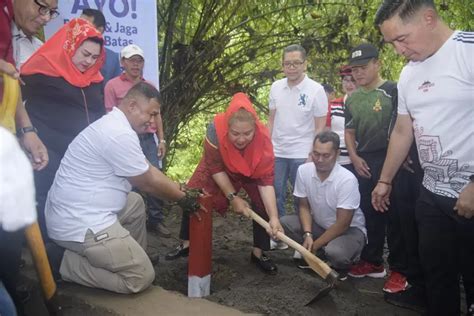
pixel 210 49
pixel 188 148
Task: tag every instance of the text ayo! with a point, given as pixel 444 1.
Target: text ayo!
pixel 119 8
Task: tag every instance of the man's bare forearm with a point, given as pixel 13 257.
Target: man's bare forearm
pixel 22 119
pixel 159 127
pixel 306 219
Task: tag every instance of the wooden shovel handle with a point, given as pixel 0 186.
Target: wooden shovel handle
pixel 40 259
pixel 322 268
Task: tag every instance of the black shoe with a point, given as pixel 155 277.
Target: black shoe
pixel 321 254
pixel 264 263
pixel 412 298
pixel 301 263
pixel 342 274
pixel 179 251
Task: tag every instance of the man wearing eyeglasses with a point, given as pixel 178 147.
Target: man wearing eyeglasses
pixel 30 17
pixel 26 18
pixel 298 107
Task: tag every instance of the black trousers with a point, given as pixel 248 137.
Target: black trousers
pixel 375 222
pixel 43 182
pixel 446 253
pixel 406 191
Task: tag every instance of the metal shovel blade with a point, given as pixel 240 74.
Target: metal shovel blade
pixel 331 279
pixel 322 293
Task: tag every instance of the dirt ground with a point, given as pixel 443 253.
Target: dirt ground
pixel 238 283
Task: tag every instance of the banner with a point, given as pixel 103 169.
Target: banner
pixel 128 22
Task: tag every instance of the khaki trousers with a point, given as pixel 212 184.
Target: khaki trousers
pixel 114 259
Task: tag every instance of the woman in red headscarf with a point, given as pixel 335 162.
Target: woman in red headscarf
pixel 62 94
pixel 238 153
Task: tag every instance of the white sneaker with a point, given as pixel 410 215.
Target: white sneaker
pixel 278 245
pixel 297 255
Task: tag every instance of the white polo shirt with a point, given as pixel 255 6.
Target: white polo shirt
pixel 339 190
pixel 91 184
pixel 23 47
pixel 295 110
pixel 17 189
pixel 438 94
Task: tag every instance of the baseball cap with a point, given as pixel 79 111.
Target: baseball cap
pixel 362 54
pixel 131 50
pixel 345 71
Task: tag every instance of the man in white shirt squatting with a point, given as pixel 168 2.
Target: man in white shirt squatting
pixel 90 210
pixel 329 215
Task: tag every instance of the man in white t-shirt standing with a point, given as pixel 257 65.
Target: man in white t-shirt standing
pixel 90 210
pixel 436 107
pixel 298 107
pixel 329 215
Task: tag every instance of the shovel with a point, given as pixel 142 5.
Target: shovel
pixel 316 264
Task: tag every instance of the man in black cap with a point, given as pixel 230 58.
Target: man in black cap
pixel 368 114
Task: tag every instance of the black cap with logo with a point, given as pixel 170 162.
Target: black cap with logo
pixel 362 54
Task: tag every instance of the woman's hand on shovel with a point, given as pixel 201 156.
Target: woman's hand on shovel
pixel 240 206
pixel 275 227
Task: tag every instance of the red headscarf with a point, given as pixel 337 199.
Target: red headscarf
pixel 54 58
pixel 257 159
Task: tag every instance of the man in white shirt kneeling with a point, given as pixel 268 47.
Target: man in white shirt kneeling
pixel 90 210
pixel 329 218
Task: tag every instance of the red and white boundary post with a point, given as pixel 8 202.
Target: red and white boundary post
pixel 200 251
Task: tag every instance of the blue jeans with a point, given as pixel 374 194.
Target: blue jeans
pixel 285 169
pixel 7 308
pixel 154 204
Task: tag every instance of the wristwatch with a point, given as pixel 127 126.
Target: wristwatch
pixel 28 129
pixel 306 234
pixel 231 196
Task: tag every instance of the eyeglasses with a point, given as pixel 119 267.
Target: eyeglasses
pixel 292 64
pixel 135 60
pixel 45 10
